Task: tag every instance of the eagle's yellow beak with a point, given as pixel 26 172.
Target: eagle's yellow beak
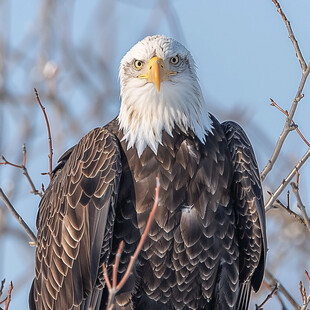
pixel 155 65
pixel 156 72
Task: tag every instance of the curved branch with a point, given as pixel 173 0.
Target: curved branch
pixel 114 288
pixel 18 217
pixel 50 156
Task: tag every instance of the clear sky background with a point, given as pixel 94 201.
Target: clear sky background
pixel 243 56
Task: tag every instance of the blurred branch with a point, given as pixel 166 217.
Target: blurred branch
pixel 18 217
pixel 269 296
pixel 276 294
pixel 305 73
pixel 282 289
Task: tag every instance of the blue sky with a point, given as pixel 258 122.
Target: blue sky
pixel 243 56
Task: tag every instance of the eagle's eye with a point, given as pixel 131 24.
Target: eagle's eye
pixel 138 64
pixel 174 60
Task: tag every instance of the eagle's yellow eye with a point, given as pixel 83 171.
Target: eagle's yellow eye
pixel 174 60
pixel 138 64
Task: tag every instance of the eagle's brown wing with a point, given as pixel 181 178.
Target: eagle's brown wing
pixel 74 223
pixel 250 212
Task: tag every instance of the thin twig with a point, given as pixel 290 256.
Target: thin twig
pixel 285 131
pixel 297 177
pixel 303 293
pixel 286 181
pixel 304 297
pixel 282 289
pixel 8 300
pixel 305 304
pixel 287 126
pixel 300 205
pixel 276 295
pixel 294 126
pixel 18 217
pixel 117 259
pixel 106 277
pixel 269 296
pixel 25 171
pixel 6 162
pixel 114 288
pixel 291 212
pixel 2 286
pixel 302 62
pixel 308 277
pixel 143 237
pixel 288 199
pixel 50 156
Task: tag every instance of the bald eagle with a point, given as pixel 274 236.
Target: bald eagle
pixel 206 248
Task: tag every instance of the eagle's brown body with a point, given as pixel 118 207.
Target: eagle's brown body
pixel 206 246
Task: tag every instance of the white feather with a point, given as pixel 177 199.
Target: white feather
pixel 144 112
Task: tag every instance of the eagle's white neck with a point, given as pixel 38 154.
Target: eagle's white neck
pixel 145 113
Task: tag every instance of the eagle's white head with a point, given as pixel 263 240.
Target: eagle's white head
pixel 159 89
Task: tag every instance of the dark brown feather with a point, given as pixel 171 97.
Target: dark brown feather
pixel 206 246
pixel 72 222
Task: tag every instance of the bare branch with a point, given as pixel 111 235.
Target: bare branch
pixel 294 126
pixel 143 237
pixel 286 129
pixel 282 289
pixel 288 199
pixel 291 212
pixel 114 288
pixel 303 293
pixel 25 171
pixel 305 73
pixel 302 62
pixel 2 286
pixel 286 181
pixel 8 300
pixel 305 298
pixel 276 294
pixel 50 156
pixel 306 303
pixel 18 217
pixel 6 162
pixel 300 205
pixel 308 277
pixel 105 273
pixel 117 259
